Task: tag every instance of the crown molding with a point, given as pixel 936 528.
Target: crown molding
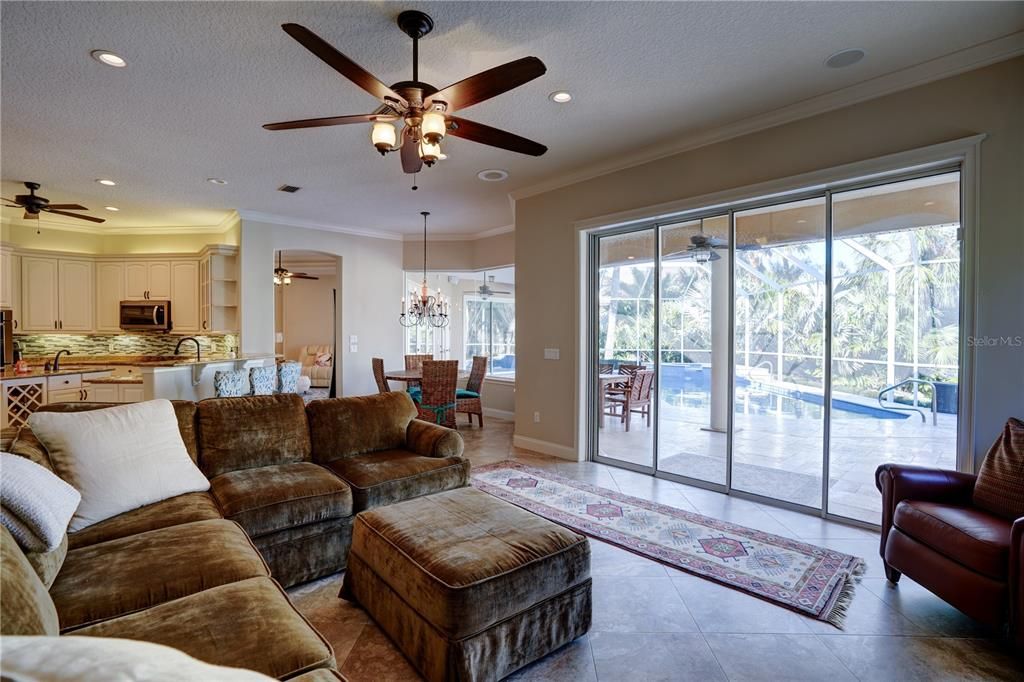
pixel 259 216
pixel 968 59
pixel 461 236
pixel 226 223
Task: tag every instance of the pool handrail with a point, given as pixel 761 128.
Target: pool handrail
pixel 895 406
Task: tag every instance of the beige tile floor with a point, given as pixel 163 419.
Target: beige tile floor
pixel 652 622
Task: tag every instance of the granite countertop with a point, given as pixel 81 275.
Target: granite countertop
pixel 116 380
pixel 81 361
pixel 36 371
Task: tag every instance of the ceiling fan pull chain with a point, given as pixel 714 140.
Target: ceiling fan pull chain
pixel 414 187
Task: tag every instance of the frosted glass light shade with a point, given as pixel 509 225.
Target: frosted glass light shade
pixel 429 152
pixel 383 136
pixel 433 127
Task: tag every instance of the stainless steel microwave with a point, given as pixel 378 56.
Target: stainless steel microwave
pixel 143 315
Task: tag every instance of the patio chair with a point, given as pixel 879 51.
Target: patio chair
pixel 415 362
pixel 436 401
pixel 622 387
pixel 605 368
pixel 469 399
pixel 636 398
pixel 378 374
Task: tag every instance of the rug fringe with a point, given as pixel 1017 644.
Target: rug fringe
pixel 837 614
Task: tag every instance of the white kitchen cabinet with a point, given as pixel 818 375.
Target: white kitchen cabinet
pixel 10 286
pixel 218 293
pixel 65 395
pixel 131 393
pixel 110 280
pixel 39 292
pixel 76 280
pixel 147 280
pixel 102 393
pixel 57 294
pixel 185 296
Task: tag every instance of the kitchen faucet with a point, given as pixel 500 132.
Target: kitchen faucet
pixel 56 358
pixel 183 340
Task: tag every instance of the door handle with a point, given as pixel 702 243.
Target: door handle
pixel 156 312
pixel 15 324
pixel 61 324
pixel 55 324
pixel 204 325
pixel 85 394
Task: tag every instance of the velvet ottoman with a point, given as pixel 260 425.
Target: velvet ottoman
pixel 468 586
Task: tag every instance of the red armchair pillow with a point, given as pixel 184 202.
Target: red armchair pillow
pixel 1000 486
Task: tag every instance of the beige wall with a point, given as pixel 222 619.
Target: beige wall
pixel 989 100
pixel 461 255
pixel 370 282
pixel 306 313
pixel 51 239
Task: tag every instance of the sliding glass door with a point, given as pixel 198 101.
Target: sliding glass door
pixel 778 373
pixel 624 372
pixel 784 349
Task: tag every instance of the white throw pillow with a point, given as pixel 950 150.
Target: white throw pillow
pixel 35 505
pixel 120 458
pixel 70 659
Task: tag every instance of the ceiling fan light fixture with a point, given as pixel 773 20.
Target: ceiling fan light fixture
pixel 433 127
pixel 383 135
pixel 429 153
pixel 108 58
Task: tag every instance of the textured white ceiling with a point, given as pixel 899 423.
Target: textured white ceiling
pixel 203 77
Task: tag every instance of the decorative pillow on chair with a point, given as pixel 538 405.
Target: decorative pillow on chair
pixel 322 360
pixel 1000 485
pixel 264 380
pixel 119 458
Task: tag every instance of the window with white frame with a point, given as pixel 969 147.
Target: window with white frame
pixel 489 329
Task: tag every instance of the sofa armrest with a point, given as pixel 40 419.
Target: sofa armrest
pixel 1016 583
pixel 431 440
pixel 898 482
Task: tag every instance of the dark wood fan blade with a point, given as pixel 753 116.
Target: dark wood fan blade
pixel 495 137
pixel 68 207
pixel 14 206
pixel 326 121
pixel 490 83
pixel 302 275
pixel 342 64
pixel 75 215
pixel 13 201
pixel 411 162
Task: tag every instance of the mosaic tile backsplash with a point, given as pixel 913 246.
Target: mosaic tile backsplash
pixel 122 344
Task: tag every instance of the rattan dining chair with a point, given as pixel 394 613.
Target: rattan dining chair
pixel 416 362
pixel 436 401
pixel 469 400
pixel 378 375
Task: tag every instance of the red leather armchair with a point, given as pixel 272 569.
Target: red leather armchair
pixel 970 558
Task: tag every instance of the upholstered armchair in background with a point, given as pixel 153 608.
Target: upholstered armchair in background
pixel 961 536
pixel 319 374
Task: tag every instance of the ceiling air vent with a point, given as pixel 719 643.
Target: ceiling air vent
pixel 291 189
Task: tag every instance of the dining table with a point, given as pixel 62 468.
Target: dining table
pixel 413 375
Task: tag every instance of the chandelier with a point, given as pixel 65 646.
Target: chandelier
pixel 421 308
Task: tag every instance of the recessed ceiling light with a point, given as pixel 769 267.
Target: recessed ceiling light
pixel 108 58
pixel 560 96
pixel 844 58
pixel 929 203
pixel 104 181
pixel 801 222
pixel 630 257
pixel 216 181
pixel 112 208
pixel 492 175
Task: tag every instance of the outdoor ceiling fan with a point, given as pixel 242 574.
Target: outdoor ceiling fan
pixel 34 204
pixel 703 247
pixel 283 275
pixel 425 111
pixel 485 289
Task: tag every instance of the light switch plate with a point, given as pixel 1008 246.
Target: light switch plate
pixel 353 338
pixel 551 354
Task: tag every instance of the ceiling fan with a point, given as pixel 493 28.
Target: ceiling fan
pixel 425 111
pixel 284 276
pixel 34 205
pixel 485 289
pixel 702 247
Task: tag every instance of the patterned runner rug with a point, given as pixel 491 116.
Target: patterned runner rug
pixel 812 580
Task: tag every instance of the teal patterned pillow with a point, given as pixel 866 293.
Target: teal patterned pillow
pixel 288 376
pixel 264 380
pixel 231 384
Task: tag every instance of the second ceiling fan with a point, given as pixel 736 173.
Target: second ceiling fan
pixel 425 110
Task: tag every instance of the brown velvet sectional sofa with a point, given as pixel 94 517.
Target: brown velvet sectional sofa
pixel 203 572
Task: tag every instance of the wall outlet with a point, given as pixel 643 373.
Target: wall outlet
pixel 551 353
pixel 536 417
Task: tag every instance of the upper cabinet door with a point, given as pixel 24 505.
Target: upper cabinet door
pixel 6 279
pixel 39 294
pixel 110 280
pixel 185 296
pixel 76 295
pixel 159 280
pixel 136 280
